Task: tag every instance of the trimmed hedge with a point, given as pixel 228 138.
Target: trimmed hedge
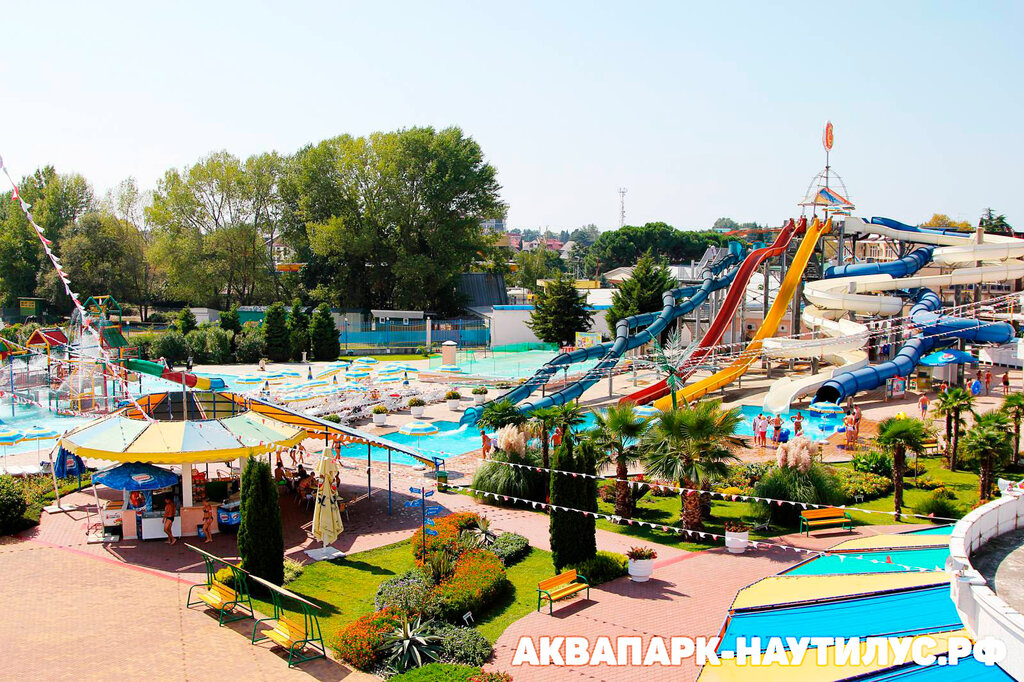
pixel 12 505
pixel 410 593
pixel 439 672
pixel 603 567
pixel 511 548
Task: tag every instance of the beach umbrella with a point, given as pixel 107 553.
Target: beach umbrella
pixel 354 388
pixel 38 433
pixel 943 358
pixel 8 437
pixel 826 409
pixel 327 524
pixel 365 360
pixel 250 379
pixel 418 428
pixel 287 373
pixel 449 368
pixel 389 379
pixel 357 374
pixel 329 372
pixel 402 367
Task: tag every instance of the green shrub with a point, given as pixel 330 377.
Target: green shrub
pixel 461 644
pixel 939 505
pixel 260 533
pixel 816 486
pixel 158 317
pixel 298 330
pixel 416 402
pixel 872 462
pixel 606 491
pixel 867 485
pixel 511 548
pixel 333 418
pixel 360 642
pixel 410 594
pixel 144 343
pixel 573 535
pixel 411 645
pixel 250 344
pixel 292 570
pixel 185 321
pixel 323 334
pixel 439 672
pixel 479 390
pixel 225 576
pixel 478 579
pixel 524 482
pixel 452 395
pixel 12 505
pixel 380 409
pixel 275 331
pixel 218 345
pixel 170 345
pixel 604 566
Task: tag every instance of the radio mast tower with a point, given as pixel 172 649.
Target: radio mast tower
pixel 622 206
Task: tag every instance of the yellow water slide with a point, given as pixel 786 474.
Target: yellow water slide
pixel 768 327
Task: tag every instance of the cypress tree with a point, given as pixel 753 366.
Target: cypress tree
pixel 298 330
pixel 260 534
pixel 573 535
pixel 275 327
pixel 559 312
pixel 324 335
pixel 229 320
pixel 186 321
pixel 642 292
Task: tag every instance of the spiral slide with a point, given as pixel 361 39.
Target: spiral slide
pixel 724 317
pixel 191 380
pixel 850 292
pixel 767 328
pixel 611 351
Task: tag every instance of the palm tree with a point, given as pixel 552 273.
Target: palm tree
pixel 689 445
pixel 952 405
pixel 899 435
pixel 988 442
pixel 568 417
pixel 1013 407
pixel 499 413
pixel 617 433
pixel 542 420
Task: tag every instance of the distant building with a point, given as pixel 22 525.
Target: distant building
pixel 493 225
pixel 281 252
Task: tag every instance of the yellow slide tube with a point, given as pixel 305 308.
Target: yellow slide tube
pixel 768 327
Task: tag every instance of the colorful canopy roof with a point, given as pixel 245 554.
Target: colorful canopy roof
pixel 123 439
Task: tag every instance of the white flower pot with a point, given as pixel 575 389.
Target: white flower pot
pixel 380 419
pixel 454 405
pixel 417 410
pixel 736 542
pixel 480 399
pixel 640 570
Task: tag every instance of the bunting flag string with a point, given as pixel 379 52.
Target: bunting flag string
pixel 66 281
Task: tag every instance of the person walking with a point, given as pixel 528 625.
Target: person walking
pixel 922 402
pixel 207 521
pixel 169 512
pixel 486 443
pixel 988 381
pixel 1006 383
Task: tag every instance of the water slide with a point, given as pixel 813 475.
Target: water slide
pixel 610 352
pixel 722 320
pixel 767 328
pixel 852 291
pixel 191 380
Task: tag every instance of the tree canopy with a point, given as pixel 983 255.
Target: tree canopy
pixel 625 246
pixel 559 312
pixel 641 292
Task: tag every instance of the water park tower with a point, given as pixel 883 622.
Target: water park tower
pixel 827 191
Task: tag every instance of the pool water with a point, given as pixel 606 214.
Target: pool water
pixel 516 365
pixel 937 530
pixel 859 562
pixel 815 427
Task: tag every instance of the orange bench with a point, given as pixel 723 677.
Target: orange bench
pixel 818 518
pixel 561 586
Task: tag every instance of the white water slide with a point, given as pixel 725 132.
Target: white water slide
pixel 831 299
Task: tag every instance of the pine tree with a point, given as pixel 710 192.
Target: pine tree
pixel 230 320
pixel 260 533
pixel 642 292
pixel 559 312
pixel 324 335
pixel 573 535
pixel 298 330
pixel 275 328
pixel 186 321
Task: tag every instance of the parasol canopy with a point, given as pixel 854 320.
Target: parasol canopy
pixel 418 428
pixel 327 524
pixel 123 439
pixel 132 476
pixel 947 357
pixel 646 411
pixel 826 408
pixel 365 360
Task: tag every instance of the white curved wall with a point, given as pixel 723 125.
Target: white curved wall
pixel 981 610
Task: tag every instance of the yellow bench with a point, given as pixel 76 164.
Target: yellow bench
pixel 223 600
pixel 287 633
pixel 561 586
pixel 817 518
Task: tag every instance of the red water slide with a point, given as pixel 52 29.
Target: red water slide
pixel 723 319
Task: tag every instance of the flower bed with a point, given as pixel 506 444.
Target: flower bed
pixel 448 529
pixel 477 579
pixel 360 643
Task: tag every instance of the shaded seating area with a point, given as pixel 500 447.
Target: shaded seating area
pixel 300 636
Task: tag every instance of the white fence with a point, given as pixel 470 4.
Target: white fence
pixel 981 610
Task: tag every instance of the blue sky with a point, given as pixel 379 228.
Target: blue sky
pixel 700 109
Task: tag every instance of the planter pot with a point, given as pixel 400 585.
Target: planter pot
pixel 640 571
pixel 453 405
pixel 736 542
pixel 417 410
pixel 479 399
pixel 380 419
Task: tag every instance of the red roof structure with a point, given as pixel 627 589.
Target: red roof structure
pixel 50 337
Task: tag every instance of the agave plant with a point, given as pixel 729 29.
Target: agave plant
pixel 411 645
pixel 482 532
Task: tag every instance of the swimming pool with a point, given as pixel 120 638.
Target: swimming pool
pixel 920 610
pixel 815 427
pixel 516 365
pixel 860 562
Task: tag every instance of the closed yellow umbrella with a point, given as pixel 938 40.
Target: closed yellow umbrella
pixel 327 524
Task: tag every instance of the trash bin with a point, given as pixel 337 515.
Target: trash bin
pixel 442 480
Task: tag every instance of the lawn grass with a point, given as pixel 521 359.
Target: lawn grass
pixel 397 357
pixel 345 588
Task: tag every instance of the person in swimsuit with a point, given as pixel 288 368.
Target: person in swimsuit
pixel 486 443
pixel 923 404
pixel 798 424
pixel 208 521
pixel 776 429
pixel 169 510
pixel 1006 383
pixel 762 431
pixel 988 382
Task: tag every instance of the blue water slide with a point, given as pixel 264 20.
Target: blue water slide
pixel 611 351
pixel 657 323
pixel 897 225
pixel 904 267
pixel 939 331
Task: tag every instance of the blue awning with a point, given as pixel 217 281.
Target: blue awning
pixel 134 476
